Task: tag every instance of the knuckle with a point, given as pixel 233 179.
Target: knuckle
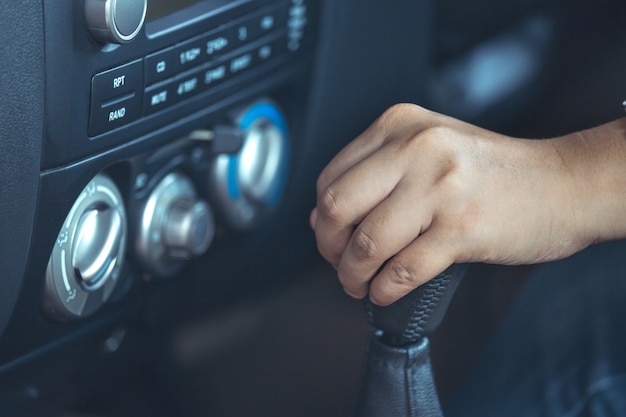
pixel 401 274
pixel 323 180
pixel 401 109
pixel 328 206
pixel 437 139
pixel 399 113
pixel 365 246
pixel 434 143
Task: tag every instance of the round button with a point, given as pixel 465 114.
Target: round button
pixel 116 21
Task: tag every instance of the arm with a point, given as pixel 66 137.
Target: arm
pixel 419 191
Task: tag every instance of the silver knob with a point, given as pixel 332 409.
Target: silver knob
pixel 98 237
pixel 116 21
pixel 88 255
pixel 175 225
pixel 188 229
pixel 260 160
pixel 247 185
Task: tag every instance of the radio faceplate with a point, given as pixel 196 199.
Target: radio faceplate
pixel 185 65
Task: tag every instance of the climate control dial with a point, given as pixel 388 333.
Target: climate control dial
pixel 175 225
pixel 88 254
pixel 248 184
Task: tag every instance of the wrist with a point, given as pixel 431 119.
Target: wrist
pixel 594 173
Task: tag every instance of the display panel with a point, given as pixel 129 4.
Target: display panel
pixel 162 8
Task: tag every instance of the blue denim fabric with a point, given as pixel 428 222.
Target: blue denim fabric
pixel 562 349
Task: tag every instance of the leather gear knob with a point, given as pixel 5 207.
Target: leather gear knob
pixel 419 313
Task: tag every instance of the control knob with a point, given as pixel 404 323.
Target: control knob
pixel 88 255
pixel 248 184
pixel 97 241
pixel 188 228
pixel 175 225
pixel 115 21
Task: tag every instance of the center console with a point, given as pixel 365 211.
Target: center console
pixel 169 125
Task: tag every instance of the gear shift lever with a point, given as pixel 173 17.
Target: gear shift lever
pixel 398 376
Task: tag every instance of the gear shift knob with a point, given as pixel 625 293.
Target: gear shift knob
pixel 419 313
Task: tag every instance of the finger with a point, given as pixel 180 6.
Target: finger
pixel 313 218
pixel 400 120
pixel 388 229
pixel 348 200
pixel 354 152
pixel 425 258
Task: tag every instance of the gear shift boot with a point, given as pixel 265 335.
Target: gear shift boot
pixel 398 382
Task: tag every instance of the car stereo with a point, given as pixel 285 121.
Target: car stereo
pixel 129 67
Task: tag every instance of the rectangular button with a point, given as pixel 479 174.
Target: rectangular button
pixel 159 97
pixel 117 82
pixel 189 84
pixel 161 65
pixel 218 43
pixel 215 75
pixel 241 63
pixel 114 114
pixel 191 53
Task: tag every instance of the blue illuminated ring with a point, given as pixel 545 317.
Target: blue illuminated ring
pixel 269 112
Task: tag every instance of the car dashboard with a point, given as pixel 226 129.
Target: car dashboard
pixel 159 162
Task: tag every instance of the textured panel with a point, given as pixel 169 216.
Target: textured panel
pixel 21 130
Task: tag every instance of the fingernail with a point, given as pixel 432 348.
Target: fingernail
pixel 373 301
pixel 352 295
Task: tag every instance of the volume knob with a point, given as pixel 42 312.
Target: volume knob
pixel 116 21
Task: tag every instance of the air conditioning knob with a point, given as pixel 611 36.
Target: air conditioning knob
pixel 94 253
pixel 115 21
pixel 88 255
pixel 175 225
pixel 188 228
pixel 250 183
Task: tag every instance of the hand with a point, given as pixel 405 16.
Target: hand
pixel 419 191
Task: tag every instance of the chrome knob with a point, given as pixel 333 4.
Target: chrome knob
pixel 250 183
pixel 97 242
pixel 260 160
pixel 188 229
pixel 175 225
pixel 88 255
pixel 115 21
